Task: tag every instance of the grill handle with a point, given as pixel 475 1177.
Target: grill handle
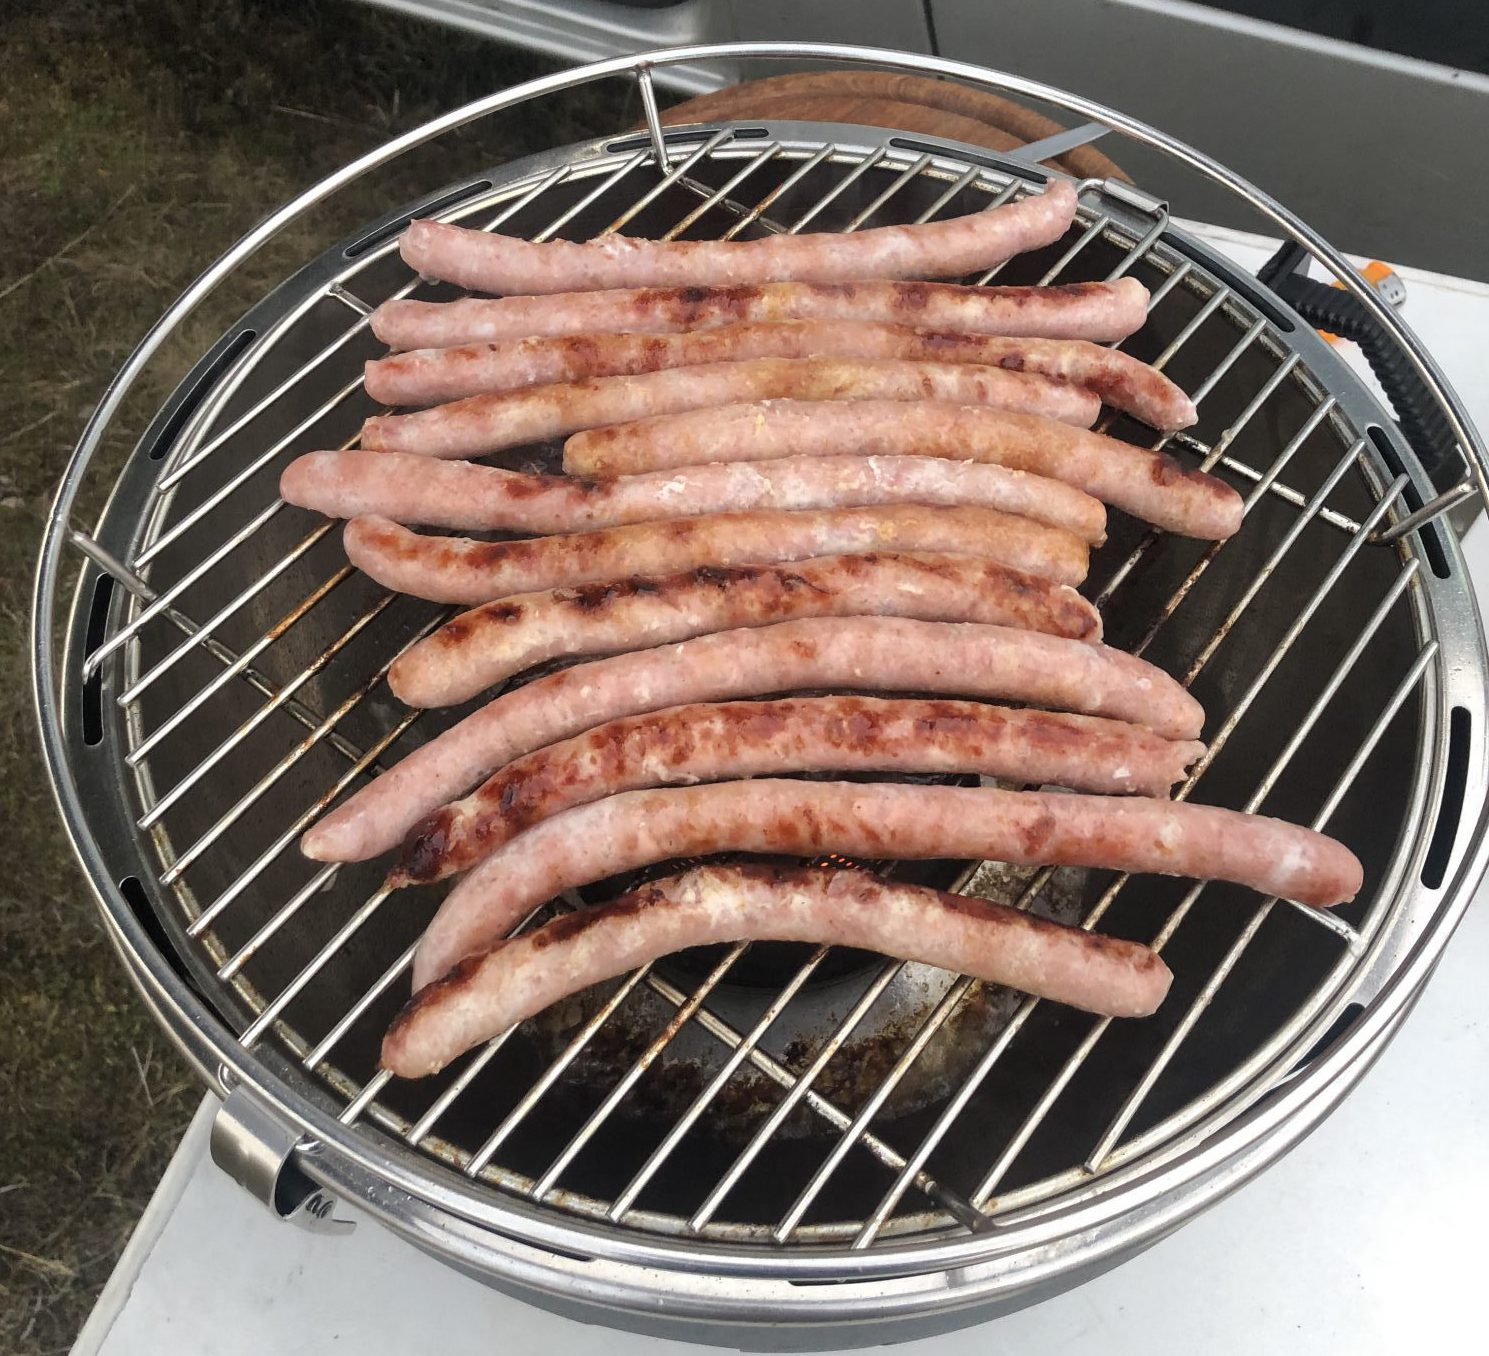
pixel 1423 423
pixel 259 1150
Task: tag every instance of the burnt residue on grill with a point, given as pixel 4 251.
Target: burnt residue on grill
pixel 853 1072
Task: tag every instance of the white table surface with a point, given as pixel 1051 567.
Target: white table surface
pixel 1366 1238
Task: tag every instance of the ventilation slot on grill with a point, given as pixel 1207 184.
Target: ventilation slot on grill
pixel 388 229
pixel 203 380
pixel 98 621
pixel 1460 732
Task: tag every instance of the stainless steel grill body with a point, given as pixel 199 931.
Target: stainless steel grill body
pixel 702 1148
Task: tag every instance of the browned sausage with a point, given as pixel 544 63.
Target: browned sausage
pixel 1096 311
pixel 489 644
pixel 885 654
pixel 489 423
pixel 1148 485
pixel 433 375
pixel 878 821
pixel 485 262
pixel 457 570
pixel 483 996
pixel 412 489
pixel 708 743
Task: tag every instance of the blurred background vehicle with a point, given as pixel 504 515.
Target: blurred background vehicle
pixel 1347 110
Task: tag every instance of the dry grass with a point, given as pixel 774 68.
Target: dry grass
pixel 137 140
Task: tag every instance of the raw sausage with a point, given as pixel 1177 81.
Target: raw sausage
pixel 485 262
pixel 1149 485
pixel 491 643
pixel 708 743
pixel 485 995
pixel 1091 310
pixel 489 423
pixel 433 375
pixel 886 654
pixel 878 821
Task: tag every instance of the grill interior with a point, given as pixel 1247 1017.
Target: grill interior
pixel 776 1094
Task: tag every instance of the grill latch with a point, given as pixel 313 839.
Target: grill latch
pixel 259 1150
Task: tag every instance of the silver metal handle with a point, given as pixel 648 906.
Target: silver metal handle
pixel 259 1149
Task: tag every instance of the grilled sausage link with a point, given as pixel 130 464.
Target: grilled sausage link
pixel 1101 312
pixel 886 654
pixel 435 375
pixel 412 489
pixel 485 262
pixel 483 996
pixel 489 423
pixel 1149 485
pixel 491 643
pixel 706 743
pixel 878 821
pixel 457 570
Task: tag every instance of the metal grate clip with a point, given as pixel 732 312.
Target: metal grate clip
pixel 259 1150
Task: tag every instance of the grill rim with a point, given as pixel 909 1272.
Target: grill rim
pixel 594 160
pixel 162 986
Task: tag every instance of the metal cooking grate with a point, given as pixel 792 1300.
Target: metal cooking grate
pixel 248 673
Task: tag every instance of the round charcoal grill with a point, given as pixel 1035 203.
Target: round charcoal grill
pixel 773 1144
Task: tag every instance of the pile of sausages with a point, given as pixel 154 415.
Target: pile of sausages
pixel 800 483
